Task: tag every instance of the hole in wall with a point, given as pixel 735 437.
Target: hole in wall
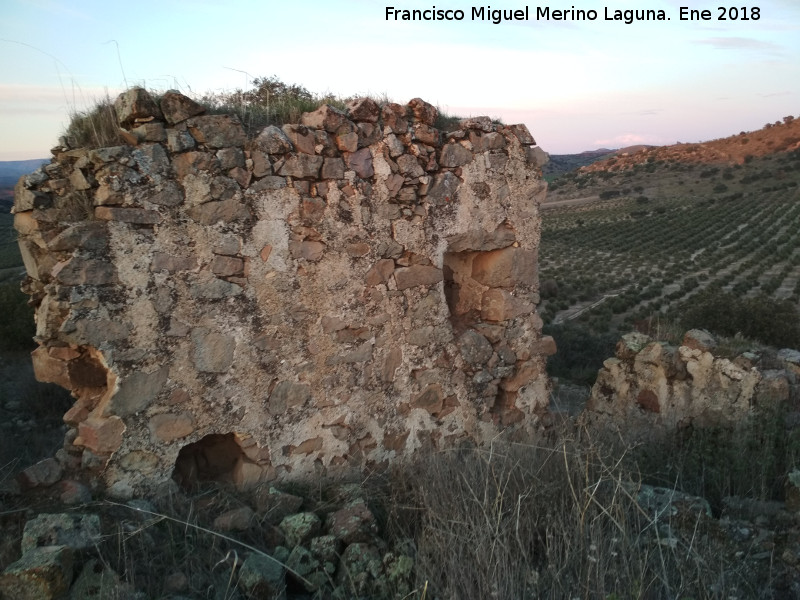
pixel 462 292
pixel 213 458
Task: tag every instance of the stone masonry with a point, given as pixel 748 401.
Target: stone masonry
pixel 652 388
pixel 326 297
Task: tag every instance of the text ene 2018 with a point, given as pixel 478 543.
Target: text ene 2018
pixel 731 13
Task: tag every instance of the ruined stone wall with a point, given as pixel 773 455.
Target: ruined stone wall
pixel 328 296
pixel 651 388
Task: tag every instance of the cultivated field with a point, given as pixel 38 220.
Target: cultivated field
pixel 611 262
pixel 621 249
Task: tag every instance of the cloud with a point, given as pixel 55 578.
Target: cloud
pixel 38 99
pixel 647 112
pixel 628 139
pixel 738 43
pixel 774 94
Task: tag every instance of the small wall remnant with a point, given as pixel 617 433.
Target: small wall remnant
pixel 331 295
pixel 651 388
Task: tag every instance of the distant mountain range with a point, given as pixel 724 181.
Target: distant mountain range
pixel 10 172
pixel 564 163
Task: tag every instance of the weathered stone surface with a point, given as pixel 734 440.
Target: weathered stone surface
pixel 522 134
pixel 179 141
pixel 426 134
pixel 631 344
pixel 166 427
pixel 139 460
pixel 325 117
pixel 480 239
pixel 361 163
pixel 272 140
pixel 307 250
pixel 227 266
pixel 97 581
pixel 79 271
pixel 407 277
pixel 194 163
pixel 137 391
pixel 41 574
pixel 305 569
pixel 444 189
pixel 545 346
pixel 363 109
pixel 177 107
pixel 653 388
pixel 301 166
pixel 217 131
pixel 423 111
pixel 357 562
pixel 213 351
pixel 48 369
pixel 215 289
pixel 524 374
pixel 268 183
pixel 430 399
pixel 380 272
pixel 300 528
pixel 455 155
pixel 332 168
pixel 301 137
pixel 138 216
pixel 89 235
pixel 502 305
pixel 409 166
pixel 135 104
pixel 536 156
pixel 353 523
pixel 275 505
pixel 699 339
pixel 475 348
pixel 288 395
pixel 101 435
pixel 225 211
pixel 508 267
pixel 150 132
pixel 74 530
pixel 263 577
pixel 42 474
pixel 172 264
pixel 478 123
pixel 25 199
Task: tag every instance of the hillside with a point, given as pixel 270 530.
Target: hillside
pixel 563 163
pixel 782 136
pixel 666 243
pixel 560 164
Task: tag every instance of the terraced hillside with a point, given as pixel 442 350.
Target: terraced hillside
pixel 648 251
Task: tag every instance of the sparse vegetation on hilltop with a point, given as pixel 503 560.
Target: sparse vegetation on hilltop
pixel 269 102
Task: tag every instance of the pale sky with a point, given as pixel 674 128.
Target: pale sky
pixel 577 85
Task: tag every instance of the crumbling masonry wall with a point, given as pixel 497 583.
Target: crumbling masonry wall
pixel 328 296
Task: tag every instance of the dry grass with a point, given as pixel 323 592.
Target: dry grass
pixel 557 521
pixel 269 102
pixel 94 128
pixel 563 519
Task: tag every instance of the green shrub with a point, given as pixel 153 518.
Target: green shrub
pixel 581 351
pixel 770 321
